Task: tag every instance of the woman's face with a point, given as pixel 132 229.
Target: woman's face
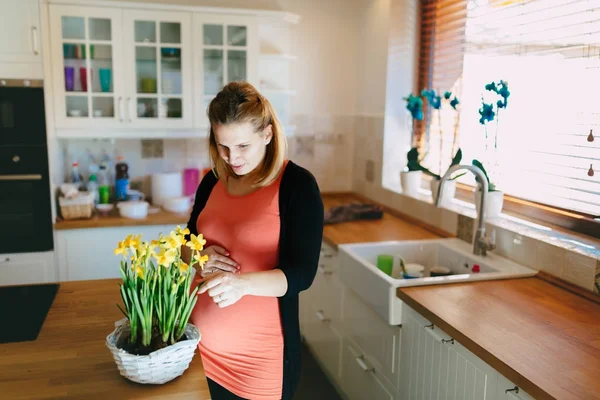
pixel 240 146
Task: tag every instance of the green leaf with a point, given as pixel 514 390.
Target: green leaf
pixel 457 158
pixel 478 164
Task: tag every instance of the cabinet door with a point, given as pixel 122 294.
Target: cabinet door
pixel 74 249
pixel 434 366
pixel 158 47
pixel 26 268
pixel 87 66
pixel 226 50
pixel 20 38
pixel 509 391
pixel 324 341
pixel 376 337
pixel 359 378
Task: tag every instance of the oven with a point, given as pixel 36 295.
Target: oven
pixel 25 208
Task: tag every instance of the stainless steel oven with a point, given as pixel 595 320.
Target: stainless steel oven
pixel 25 212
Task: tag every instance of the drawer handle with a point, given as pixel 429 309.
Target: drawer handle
pixel 6 260
pixel 515 390
pixel 34 39
pixel 363 365
pixel 321 316
pixel 430 329
pixel 324 270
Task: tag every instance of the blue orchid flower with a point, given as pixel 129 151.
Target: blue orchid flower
pixel 414 104
pixel 487 113
pixel 454 102
pixel 447 95
pixel 434 100
pixel 491 87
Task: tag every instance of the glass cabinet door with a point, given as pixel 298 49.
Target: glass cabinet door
pixel 160 94
pixel 224 55
pixel 86 40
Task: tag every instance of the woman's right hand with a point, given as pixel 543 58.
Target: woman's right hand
pixel 218 260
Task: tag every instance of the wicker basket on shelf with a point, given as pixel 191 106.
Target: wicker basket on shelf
pixel 78 207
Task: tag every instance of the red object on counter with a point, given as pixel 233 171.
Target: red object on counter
pixel 476 268
pixel 191 180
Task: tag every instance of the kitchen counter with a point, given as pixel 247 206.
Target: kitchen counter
pixel 541 337
pixel 390 227
pixel 69 359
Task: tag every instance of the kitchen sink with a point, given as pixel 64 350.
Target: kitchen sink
pixel 358 269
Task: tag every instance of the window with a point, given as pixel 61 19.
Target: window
pixel 549 53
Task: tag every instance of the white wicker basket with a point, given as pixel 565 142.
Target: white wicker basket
pixel 158 367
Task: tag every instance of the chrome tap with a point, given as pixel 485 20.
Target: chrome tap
pixel 481 242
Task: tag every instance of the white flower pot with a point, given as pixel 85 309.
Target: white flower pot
pixel 411 182
pixel 158 367
pixel 449 190
pixel 493 203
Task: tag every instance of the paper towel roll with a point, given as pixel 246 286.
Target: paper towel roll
pixel 166 185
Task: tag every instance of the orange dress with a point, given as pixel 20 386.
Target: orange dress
pixel 242 344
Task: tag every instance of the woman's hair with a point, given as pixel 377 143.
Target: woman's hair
pixel 238 103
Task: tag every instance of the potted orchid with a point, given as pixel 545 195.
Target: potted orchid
pixel 410 177
pixel 489 112
pixel 154 343
pixel 436 102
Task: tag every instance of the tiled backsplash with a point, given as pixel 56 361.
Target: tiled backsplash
pixel 573 258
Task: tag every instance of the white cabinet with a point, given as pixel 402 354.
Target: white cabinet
pixel 115 68
pixel 158 69
pixel 225 50
pixel 27 268
pixel 435 366
pixel 373 335
pixel 84 254
pixel 509 391
pixel 360 380
pixel 321 314
pixel 20 44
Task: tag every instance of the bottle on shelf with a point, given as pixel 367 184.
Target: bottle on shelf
pixel 103 185
pixel 76 177
pixel 92 187
pixel 121 179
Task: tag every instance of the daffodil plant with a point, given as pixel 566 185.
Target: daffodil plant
pixel 156 287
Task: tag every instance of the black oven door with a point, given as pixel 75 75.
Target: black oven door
pixel 22 117
pixel 25 214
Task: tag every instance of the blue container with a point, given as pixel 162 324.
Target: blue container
pixel 121 186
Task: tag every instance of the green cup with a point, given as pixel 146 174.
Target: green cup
pixel 104 194
pixel 385 263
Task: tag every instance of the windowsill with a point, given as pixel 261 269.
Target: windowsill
pixel 516 223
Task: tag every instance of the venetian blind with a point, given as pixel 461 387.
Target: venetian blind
pixel 548 51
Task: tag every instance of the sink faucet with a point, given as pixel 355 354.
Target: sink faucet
pixel 481 243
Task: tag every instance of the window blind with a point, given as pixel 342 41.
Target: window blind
pixel 548 51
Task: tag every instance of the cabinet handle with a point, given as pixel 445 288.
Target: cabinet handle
pixel 6 261
pixel 121 110
pixel 430 329
pixel 515 390
pixel 363 365
pixel 129 109
pixel 321 316
pixel 28 177
pixel 34 40
pixel 324 270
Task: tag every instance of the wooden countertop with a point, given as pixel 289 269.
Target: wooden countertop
pixel 541 337
pixel 390 227
pixel 69 359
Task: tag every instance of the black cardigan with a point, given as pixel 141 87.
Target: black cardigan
pixel 301 216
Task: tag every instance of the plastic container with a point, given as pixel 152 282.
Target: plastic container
pixel 121 179
pixel 92 187
pixel 133 209
pixel 191 180
pixel 76 177
pixel 177 204
pixel 385 263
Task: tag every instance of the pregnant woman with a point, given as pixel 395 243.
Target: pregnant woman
pixel 262 218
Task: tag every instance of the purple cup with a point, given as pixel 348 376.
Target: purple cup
pixel 69 78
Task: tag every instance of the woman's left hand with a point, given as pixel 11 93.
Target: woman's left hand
pixel 225 288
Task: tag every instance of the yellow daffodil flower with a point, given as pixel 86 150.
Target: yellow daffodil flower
pixel 183 267
pixel 196 242
pixel 181 280
pixel 182 232
pixel 201 260
pixel 121 249
pixel 139 272
pixel 166 257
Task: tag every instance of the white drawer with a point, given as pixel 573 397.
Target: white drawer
pixel 324 341
pixel 27 268
pixel 373 335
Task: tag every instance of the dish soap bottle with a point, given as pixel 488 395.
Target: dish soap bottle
pixel 76 177
pixel 121 179
pixel 92 187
